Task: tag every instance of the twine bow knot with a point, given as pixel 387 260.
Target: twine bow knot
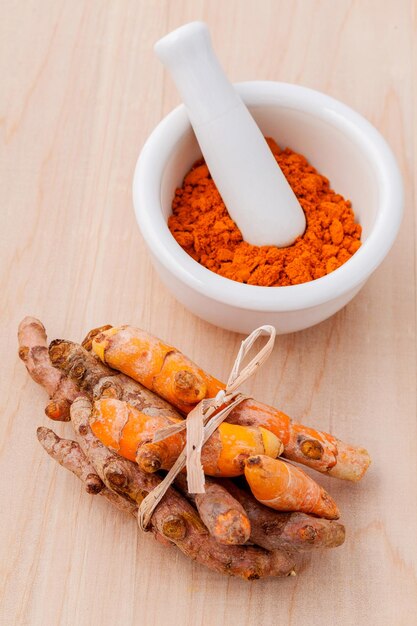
pixel 203 420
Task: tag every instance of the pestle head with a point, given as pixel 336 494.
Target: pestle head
pixel 253 187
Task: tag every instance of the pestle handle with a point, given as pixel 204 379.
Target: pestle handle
pixel 255 191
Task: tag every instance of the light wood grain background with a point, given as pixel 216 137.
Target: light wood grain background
pixel 80 91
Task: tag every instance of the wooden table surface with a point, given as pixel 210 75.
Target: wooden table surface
pixel 81 90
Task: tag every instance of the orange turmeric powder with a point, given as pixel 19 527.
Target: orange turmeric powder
pixel 202 226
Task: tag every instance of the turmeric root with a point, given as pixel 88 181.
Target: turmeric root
pixel 156 365
pixel 224 516
pixel 313 448
pixel 123 428
pixel 174 518
pixel 127 430
pixel 69 454
pixel 276 529
pixel 34 353
pixel 285 487
pixel 75 461
pixel 150 456
pixel 164 370
pixel 99 381
pixel 124 484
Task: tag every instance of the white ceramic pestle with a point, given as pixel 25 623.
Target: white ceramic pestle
pixel 254 189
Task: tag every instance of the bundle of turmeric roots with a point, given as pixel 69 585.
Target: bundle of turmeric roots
pixel 121 385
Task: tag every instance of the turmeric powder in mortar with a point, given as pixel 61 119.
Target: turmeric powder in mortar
pixel 202 226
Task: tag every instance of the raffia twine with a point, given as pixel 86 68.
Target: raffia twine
pixel 203 420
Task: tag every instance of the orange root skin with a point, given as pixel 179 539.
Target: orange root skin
pixel 284 487
pixel 276 529
pixel 128 431
pixel 123 428
pixel 156 365
pixel 164 370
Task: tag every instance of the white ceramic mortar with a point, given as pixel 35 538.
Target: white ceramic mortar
pixel 338 142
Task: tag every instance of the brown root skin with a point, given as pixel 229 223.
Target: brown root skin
pixel 224 517
pixel 85 373
pixel 146 458
pixel 274 529
pixel 87 341
pixel 174 518
pixel 34 353
pixel 69 454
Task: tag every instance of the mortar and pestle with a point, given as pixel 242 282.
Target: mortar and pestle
pixel 226 124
